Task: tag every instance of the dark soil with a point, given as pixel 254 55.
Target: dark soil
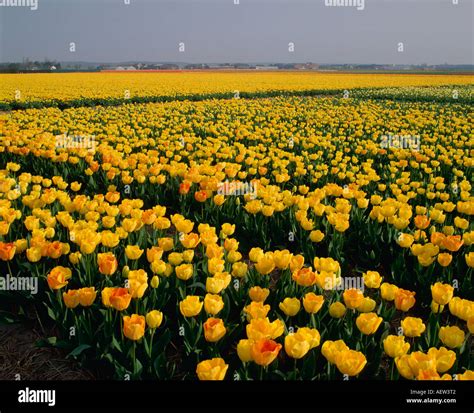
pixel 22 359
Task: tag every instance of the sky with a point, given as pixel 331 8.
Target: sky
pixel 212 31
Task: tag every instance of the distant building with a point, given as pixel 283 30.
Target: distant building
pixel 124 68
pixel 168 66
pixel 241 66
pixel 266 68
pixel 306 66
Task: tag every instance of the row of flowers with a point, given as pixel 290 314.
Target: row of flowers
pixel 326 187
pixel 157 295
pixel 85 89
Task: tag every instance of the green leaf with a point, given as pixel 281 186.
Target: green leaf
pixel 157 364
pixel 139 368
pixel 164 340
pixel 46 342
pixel 6 318
pixel 51 313
pixel 108 357
pixel 199 285
pixel 280 373
pixel 116 344
pixel 78 350
pixel 145 344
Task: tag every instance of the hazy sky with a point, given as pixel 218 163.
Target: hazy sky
pixel 432 31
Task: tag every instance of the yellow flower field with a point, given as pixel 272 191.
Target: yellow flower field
pixel 77 86
pixel 283 238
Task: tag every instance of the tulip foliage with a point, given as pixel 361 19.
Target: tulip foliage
pixel 269 238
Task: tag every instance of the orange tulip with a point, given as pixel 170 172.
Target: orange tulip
pixel 58 277
pixel 107 263
pixel 7 251
pixel 120 299
pixel 265 351
pixel 353 298
pixel 422 221
pixel 134 327
pixel 200 196
pixel 71 298
pixel 304 277
pixel 453 243
pixel 184 188
pixel 404 299
pixel 87 296
pixel 54 250
pixel 214 329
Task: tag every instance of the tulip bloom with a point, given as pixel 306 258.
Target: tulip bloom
pixel 368 323
pixel 134 327
pixel 107 263
pixel 256 310
pixel 137 283
pixel 350 362
pixel 388 291
pixel 442 293
pixel 265 351
pixel 404 299
pixel 290 306
pixel 445 358
pixel 154 318
pixel 119 298
pixel 312 303
pixel 452 336
pixel 331 349
pixel 214 329
pixel 214 369
pixel 213 304
pixel 154 254
pixel 395 346
pixel 7 251
pixel 367 305
pixel 337 310
pixel 296 345
pixel 58 277
pixel 259 328
pixel 184 272
pixel 133 252
pixel 413 326
pixel 244 350
pixel 353 298
pixel 265 264
pixel 71 298
pixel 87 296
pixel 311 335
pixel 372 279
pixel 191 306
pixel 184 187
pixel 304 277
pixel 259 294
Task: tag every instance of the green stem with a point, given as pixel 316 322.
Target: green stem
pixel 134 359
pixel 151 343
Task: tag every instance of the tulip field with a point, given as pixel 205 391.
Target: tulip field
pixel 242 226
